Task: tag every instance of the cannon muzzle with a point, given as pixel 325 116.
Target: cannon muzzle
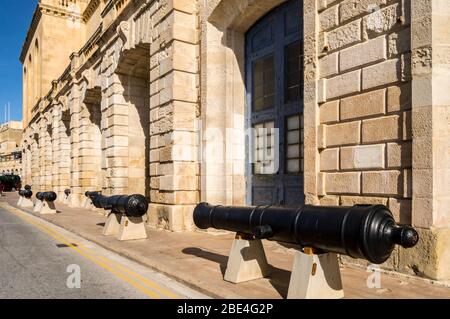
pixel 67 192
pixel 91 195
pixel 27 193
pixel 132 206
pixel 47 196
pixel 27 187
pixel 361 231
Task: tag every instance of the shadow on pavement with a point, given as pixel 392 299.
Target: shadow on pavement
pixel 279 278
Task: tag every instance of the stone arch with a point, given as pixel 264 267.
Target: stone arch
pixel 132 76
pixel 47 150
pixel 27 162
pixel 223 97
pixel 60 146
pixel 90 137
pixel 35 160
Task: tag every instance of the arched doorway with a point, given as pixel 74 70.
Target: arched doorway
pixel 91 140
pixel 133 73
pixel 274 82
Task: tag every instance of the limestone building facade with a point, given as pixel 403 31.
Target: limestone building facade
pixel 325 102
pixel 10 152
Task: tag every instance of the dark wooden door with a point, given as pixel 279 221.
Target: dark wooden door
pixel 274 79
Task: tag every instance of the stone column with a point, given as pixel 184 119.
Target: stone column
pixel 48 153
pixel 90 139
pixel 75 176
pixel 35 161
pixel 23 166
pixel 430 40
pixel 64 159
pixel 115 131
pixel 56 111
pixel 42 153
pixel 174 76
pixel 61 151
pixel 25 145
pixel 311 109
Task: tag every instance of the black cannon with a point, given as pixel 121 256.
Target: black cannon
pixel 27 187
pixel 10 181
pixel 132 206
pixel 27 193
pixel 47 196
pixel 362 231
pixel 67 192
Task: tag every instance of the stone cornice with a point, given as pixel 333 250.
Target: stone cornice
pixel 108 7
pixel 92 44
pixel 90 9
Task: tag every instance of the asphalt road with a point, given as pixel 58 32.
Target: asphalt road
pixel 41 260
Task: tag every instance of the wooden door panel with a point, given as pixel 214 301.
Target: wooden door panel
pixel 274 79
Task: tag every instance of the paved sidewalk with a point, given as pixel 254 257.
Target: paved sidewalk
pixel 198 260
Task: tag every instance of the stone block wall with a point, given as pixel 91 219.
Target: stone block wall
pixel 90 140
pixel 61 151
pixel 74 103
pixel 35 161
pixel 364 133
pixel 174 77
pixel 114 127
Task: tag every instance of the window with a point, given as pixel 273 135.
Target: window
pixel 294 150
pixel 263 84
pixel 293 72
pixel 265 148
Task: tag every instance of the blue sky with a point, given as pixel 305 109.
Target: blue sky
pixel 15 18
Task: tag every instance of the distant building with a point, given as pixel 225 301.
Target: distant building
pixel 10 153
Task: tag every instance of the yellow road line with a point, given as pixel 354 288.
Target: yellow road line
pixel 135 284
pixel 100 260
pixel 146 281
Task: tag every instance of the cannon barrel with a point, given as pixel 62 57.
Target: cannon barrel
pixel 67 192
pixel 132 206
pixel 361 231
pixel 91 195
pixel 47 196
